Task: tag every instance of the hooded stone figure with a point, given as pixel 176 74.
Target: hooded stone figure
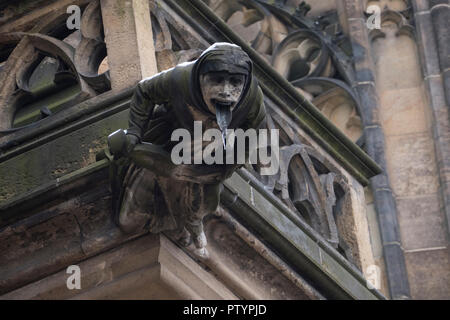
pixel 219 90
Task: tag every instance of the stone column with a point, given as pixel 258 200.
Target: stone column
pixel 384 200
pixel 129 41
pixel 440 16
pixel 434 48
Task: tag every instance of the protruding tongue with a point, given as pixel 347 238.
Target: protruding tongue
pixel 223 116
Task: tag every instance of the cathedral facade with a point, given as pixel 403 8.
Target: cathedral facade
pixel 358 90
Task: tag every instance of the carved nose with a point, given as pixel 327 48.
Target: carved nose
pixel 226 90
pixel 225 93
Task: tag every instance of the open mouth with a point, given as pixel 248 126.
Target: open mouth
pixel 221 104
pixel 223 116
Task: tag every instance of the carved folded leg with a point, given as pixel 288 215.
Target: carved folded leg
pixel 143 206
pixel 196 230
pixel 183 237
pixel 199 238
pixel 134 211
pixel 200 200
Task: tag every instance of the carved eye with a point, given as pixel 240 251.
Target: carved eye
pixel 217 79
pixel 236 81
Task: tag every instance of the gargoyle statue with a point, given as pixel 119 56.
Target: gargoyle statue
pixel 150 191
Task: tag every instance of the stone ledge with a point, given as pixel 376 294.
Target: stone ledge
pixel 297 243
pixel 150 267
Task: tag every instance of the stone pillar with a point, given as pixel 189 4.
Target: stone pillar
pixel 440 16
pixel 384 200
pixel 434 48
pixel 129 41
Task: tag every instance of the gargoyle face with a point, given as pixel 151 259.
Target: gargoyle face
pixel 221 89
pixel 221 92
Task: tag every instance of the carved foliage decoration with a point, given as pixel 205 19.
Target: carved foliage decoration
pixel 173 44
pixel 307 191
pixel 48 68
pixel 337 102
pixel 301 54
pixel 310 53
pixel 309 185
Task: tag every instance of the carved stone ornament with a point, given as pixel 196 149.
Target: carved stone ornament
pixel 150 192
pixel 53 68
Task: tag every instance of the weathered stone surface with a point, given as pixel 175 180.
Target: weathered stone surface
pixel 354 228
pixel 375 147
pixel 430 273
pixel 150 267
pixel 446 76
pixel 129 41
pixel 440 15
pixel 24 15
pixel 434 86
pixel 403 111
pixel 445 190
pixel 262 280
pixel 422 224
pixel 369 104
pixel 434 55
pixel 42 246
pixel 391 5
pixel 375 237
pixel 16 60
pixel 360 45
pixel 271 220
pixel 380 181
pixel 384 288
pixel 396 271
pixel 420 5
pixel 318 7
pixel 56 158
pixel 412 166
pixel 354 9
pixel 56 236
pixel 437 2
pixel 441 132
pixel 429 60
pixel 248 33
pixel 386 210
pixel 401 72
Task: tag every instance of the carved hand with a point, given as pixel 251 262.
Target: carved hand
pixel 132 140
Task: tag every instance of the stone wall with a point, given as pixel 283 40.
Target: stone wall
pixel 409 77
pixel 411 161
pixel 78 227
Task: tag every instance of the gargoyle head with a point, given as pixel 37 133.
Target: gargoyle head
pixel 224 72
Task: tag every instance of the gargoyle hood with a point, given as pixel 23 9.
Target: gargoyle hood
pixel 221 56
pixel 228 57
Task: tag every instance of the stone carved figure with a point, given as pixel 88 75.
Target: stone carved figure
pixel 149 190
